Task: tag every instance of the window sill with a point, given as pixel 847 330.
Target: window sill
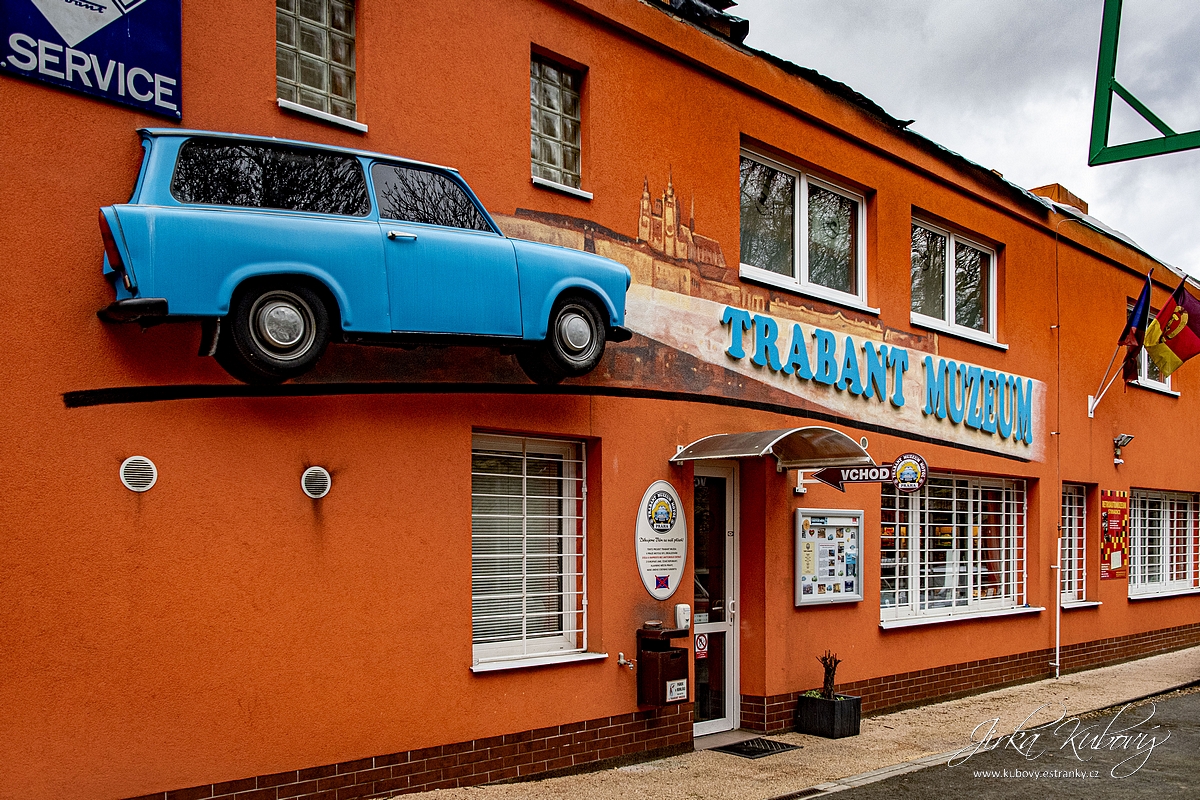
pixel 1071 605
pixel 929 323
pixel 911 622
pixel 288 105
pixel 537 661
pixel 831 601
pixel 1168 593
pixel 766 278
pixel 559 187
pixel 1154 387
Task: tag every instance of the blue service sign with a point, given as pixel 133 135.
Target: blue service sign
pixel 123 51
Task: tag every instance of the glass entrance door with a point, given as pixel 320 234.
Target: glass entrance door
pixel 718 689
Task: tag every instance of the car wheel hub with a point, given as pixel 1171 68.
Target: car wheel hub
pixel 283 325
pixel 575 332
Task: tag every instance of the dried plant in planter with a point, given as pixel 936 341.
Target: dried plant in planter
pixel 826 713
pixel 830 662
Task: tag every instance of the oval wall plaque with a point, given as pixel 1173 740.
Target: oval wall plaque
pixel 661 533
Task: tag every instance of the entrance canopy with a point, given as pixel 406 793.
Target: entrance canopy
pixel 814 447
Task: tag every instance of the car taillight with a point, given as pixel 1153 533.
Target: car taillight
pixel 114 255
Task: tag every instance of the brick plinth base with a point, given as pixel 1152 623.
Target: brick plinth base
pixel 894 692
pixel 560 749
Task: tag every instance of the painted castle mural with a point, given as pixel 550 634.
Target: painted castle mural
pixel 660 225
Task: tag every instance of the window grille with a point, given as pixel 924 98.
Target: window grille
pixel 1162 542
pixel 528 547
pixel 314 55
pixel 957 546
pixel 554 122
pixel 1073 537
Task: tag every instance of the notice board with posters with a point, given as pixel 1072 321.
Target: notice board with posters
pixel 828 549
pixel 121 51
pixel 1114 535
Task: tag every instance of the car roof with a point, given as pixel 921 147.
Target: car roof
pixel 160 132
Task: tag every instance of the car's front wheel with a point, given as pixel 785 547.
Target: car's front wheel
pixel 574 342
pixel 274 332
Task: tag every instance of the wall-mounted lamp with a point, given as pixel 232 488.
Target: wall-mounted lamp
pixel 1119 441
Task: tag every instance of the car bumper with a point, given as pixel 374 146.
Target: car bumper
pixel 134 309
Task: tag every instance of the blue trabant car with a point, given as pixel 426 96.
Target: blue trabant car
pixel 280 246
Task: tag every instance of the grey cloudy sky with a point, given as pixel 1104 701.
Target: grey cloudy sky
pixel 1009 84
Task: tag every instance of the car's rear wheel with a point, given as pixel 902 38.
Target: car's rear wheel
pixel 274 332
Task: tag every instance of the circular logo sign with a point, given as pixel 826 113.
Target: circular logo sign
pixel 661 511
pixel 909 472
pixel 661 534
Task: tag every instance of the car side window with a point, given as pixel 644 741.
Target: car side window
pixel 419 195
pixel 230 173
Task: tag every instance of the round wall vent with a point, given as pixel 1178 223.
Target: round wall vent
pixel 316 482
pixel 138 473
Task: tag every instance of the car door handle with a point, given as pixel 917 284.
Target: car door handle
pixel 412 237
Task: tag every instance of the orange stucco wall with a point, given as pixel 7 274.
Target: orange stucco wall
pixel 223 625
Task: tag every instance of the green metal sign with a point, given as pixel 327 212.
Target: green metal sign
pixel 1100 152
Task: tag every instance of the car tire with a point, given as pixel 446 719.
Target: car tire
pixel 274 332
pixel 575 337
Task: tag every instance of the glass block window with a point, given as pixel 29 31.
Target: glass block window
pixel 528 547
pixel 953 283
pixel 955 547
pixel 1073 539
pixel 1162 542
pixel 554 121
pixel 800 232
pixel 314 54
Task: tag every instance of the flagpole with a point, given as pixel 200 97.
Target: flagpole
pixel 1102 389
pixel 1096 402
pixel 1133 327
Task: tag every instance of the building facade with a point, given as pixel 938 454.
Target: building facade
pixel 463 604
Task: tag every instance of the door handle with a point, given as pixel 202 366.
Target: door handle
pixel 412 237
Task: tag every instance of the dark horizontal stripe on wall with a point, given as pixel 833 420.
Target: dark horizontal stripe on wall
pixel 557 750
pixel 119 395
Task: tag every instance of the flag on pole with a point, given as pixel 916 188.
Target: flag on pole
pixel 1139 317
pixel 1174 335
pixel 1134 334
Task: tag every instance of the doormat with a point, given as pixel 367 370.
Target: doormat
pixel 756 748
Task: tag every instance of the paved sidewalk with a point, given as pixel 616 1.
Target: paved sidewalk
pixel 888 745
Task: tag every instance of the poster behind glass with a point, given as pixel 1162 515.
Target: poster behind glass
pixel 828 548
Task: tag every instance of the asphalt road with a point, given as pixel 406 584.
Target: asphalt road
pixel 1151 749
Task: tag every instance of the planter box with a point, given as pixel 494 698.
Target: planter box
pixel 832 719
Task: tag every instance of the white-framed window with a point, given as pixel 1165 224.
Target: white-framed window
pixel 955 547
pixel 953 283
pixel 555 120
pixel 1150 376
pixel 1162 542
pixel 314 55
pixel 802 233
pixel 1072 582
pixel 528 547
